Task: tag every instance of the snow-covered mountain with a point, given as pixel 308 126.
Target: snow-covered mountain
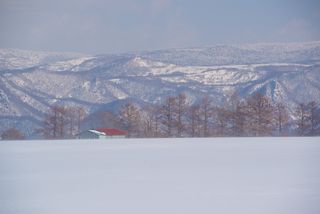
pixel 32 81
pixel 21 59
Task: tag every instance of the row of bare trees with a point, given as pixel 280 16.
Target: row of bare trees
pixel 255 116
pixel 308 119
pixel 12 134
pixel 176 117
pixel 63 122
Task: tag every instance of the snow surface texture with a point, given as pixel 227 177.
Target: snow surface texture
pixel 21 59
pixel 157 176
pixel 30 82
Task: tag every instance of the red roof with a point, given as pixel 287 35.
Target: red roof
pixel 111 132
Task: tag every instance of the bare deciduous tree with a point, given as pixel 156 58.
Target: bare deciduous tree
pixel 260 112
pixel 63 122
pixel 55 122
pixel 131 119
pixel 313 117
pixel 206 115
pixel 151 121
pixel 168 117
pixel 80 115
pixel 281 118
pixel 194 127
pixel 223 116
pixel 12 134
pixel 301 113
pixel 181 111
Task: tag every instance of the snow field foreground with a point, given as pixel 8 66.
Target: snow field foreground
pixel 161 176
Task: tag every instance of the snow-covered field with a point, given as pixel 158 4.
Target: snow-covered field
pixel 161 176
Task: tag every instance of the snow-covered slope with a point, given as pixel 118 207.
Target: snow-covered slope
pixel 240 54
pixel 157 176
pixel 21 59
pixel 288 72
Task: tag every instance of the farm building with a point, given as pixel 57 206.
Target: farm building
pixel 102 133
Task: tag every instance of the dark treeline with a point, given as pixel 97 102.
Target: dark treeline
pixel 175 117
pixel 255 116
pixel 63 122
pixel 12 134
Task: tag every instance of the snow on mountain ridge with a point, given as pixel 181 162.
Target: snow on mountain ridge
pixel 149 77
pixel 68 65
pixel 239 54
pixel 21 59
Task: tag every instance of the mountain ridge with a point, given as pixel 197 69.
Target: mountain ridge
pixel 287 72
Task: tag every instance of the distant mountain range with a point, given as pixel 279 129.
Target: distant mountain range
pixel 30 81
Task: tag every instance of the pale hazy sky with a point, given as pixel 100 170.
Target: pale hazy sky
pixel 110 26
